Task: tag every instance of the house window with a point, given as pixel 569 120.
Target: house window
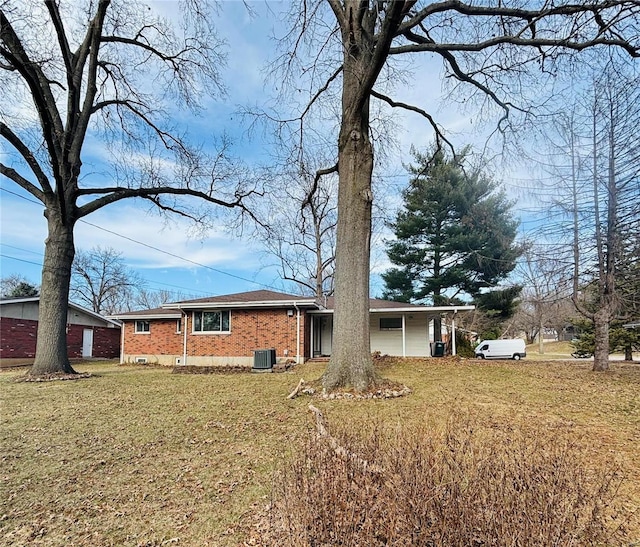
pixel 391 323
pixel 211 321
pixel 142 327
pixel 178 326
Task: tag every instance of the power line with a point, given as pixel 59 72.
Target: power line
pixel 222 272
pixel 189 290
pixel 20 260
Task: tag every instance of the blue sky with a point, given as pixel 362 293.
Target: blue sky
pixel 217 263
pixel 163 254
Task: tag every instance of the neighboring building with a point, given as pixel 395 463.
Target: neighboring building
pixel 227 330
pixel 88 334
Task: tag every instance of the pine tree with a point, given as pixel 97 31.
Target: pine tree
pixel 455 235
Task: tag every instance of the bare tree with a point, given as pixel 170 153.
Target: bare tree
pixel 114 71
pixel 593 196
pixel 615 153
pixel 147 299
pixel 545 301
pixel 298 228
pixel 101 281
pixel 479 44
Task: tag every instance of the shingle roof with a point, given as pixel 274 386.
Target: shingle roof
pixel 264 299
pixel 247 297
pixel 248 300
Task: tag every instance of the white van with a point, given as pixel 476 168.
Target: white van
pixel 501 349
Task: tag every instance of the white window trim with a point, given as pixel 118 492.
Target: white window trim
pixel 209 332
pixel 135 327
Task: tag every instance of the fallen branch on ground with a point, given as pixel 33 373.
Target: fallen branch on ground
pixel 297 390
pixel 323 432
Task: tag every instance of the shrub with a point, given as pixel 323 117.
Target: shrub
pixel 465 485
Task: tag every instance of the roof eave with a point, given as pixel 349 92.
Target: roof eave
pixel 77 307
pixel 143 316
pixel 236 305
pixel 412 309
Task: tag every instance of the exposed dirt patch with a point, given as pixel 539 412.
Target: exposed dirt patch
pixel 229 369
pixel 384 389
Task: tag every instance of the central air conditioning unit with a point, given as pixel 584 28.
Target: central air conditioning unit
pixel 263 360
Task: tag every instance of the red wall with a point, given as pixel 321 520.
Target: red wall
pixel 18 340
pixel 250 330
pixel 162 338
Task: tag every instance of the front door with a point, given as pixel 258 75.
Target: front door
pixel 87 343
pixel 322 335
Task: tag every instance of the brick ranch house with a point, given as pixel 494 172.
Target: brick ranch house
pixel 89 334
pixel 227 330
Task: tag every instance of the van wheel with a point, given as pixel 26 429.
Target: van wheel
pixel 480 356
pixel 516 357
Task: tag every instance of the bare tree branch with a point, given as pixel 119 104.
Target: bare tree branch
pixel 436 128
pixel 319 174
pixel 32 162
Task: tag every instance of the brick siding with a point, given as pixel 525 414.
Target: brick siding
pixel 18 340
pixel 250 330
pixel 162 338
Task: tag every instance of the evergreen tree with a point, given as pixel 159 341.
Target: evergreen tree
pixel 497 307
pixel 16 286
pixel 23 290
pixel 455 235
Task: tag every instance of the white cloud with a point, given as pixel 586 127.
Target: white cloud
pixel 122 226
pixel 164 244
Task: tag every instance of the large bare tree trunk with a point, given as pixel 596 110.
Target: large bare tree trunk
pixel 628 353
pixel 540 334
pixel 351 364
pixel 51 349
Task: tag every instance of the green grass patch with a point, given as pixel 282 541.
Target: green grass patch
pixel 140 456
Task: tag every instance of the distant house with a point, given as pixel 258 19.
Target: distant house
pixel 88 334
pixel 227 330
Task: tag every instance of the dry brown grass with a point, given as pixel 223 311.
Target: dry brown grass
pixel 136 456
pixel 467 483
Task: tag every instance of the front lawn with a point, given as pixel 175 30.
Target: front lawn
pixel 140 456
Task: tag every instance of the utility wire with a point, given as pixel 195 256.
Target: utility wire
pixel 264 285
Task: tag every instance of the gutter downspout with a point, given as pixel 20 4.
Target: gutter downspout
pixel 184 337
pixel 295 305
pixel 122 327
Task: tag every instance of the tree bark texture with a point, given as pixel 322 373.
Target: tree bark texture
pixel 51 347
pixel 351 364
pixel 601 337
